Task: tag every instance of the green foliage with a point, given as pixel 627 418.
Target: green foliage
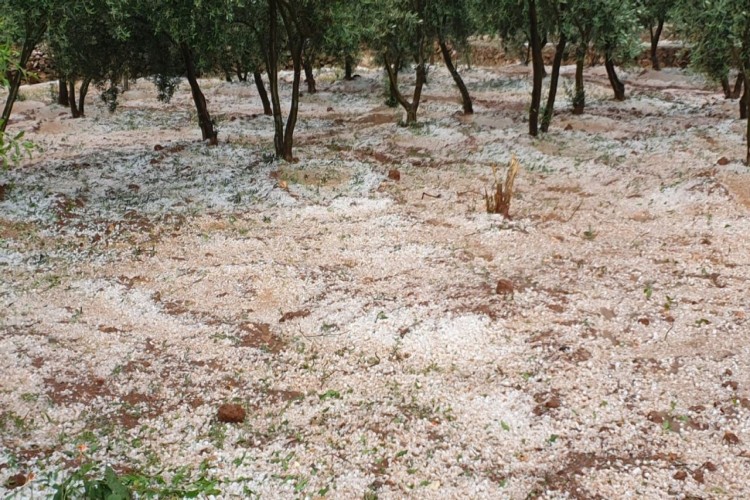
pixel 90 482
pixel 13 148
pixel 81 484
pixel 610 25
pixel 719 34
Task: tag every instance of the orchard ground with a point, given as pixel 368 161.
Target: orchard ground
pixel 356 318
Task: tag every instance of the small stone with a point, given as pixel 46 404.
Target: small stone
pixel 680 475
pixel 158 147
pixel 644 321
pixel 394 175
pixel 709 466
pixel 730 384
pixel 553 402
pixel 504 287
pixel 16 481
pixel 731 438
pixel 568 127
pixel 698 476
pixel 656 417
pixel 607 313
pixel 723 161
pixel 329 109
pixel 231 413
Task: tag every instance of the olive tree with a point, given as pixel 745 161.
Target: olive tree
pixel 608 26
pixel 522 20
pixel 652 14
pixel 82 36
pixel 400 38
pixel 451 22
pixel 719 34
pixel 193 29
pixel 25 24
pixel 12 147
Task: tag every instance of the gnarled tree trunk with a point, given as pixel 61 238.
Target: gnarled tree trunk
pixel 549 109
pixel 537 69
pixel 738 85
pixel 74 110
pixel 655 36
pixel 617 86
pixel 465 97
pixel 15 81
pixel 348 68
pixel 204 118
pixel 291 120
pixel 309 77
pixel 272 64
pixel 262 93
pixel 579 97
pixel 410 107
pixel 62 92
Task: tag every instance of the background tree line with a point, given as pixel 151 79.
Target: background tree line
pixel 108 42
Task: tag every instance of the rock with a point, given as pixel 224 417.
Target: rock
pixel 607 313
pixel 394 175
pixel 730 384
pixel 709 466
pixel 680 475
pixel 644 321
pixel 504 287
pixel 16 481
pixel 568 127
pixel 553 402
pixel 231 413
pixel 731 438
pixel 723 161
pixel 698 476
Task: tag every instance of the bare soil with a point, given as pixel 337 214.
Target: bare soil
pixel 375 333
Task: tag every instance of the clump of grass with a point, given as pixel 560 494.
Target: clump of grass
pixel 498 201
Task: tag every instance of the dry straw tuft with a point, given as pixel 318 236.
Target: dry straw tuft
pixel 499 201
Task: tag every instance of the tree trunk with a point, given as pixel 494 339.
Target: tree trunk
pixel 409 107
pixel 744 104
pixel 204 118
pixel 291 120
pixel 262 93
pixel 725 87
pixel 348 68
pixel 240 72
pixel 309 77
pixel 15 82
pixel 655 36
pixel 411 115
pixel 537 69
pixel 82 92
pixel 738 85
pixel 549 109
pixel 617 86
pixel 125 83
pixel 74 112
pixel 579 97
pixel 465 97
pixel 62 92
pixel 272 64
